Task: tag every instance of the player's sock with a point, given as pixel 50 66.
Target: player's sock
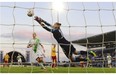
pixel 53 65
pixel 88 59
pixel 93 53
pixel 41 64
pixel 85 52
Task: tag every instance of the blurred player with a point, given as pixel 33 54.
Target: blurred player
pixel 66 46
pixel 6 59
pixel 109 59
pixel 53 56
pixel 19 59
pixel 37 50
pixel 82 61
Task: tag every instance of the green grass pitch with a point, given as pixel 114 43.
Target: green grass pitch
pixel 58 70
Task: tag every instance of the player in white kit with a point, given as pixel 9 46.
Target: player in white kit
pixel 109 59
pixel 19 59
pixel 37 52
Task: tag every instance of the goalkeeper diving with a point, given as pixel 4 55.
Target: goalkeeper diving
pixel 66 46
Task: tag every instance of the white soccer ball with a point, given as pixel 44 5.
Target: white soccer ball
pixel 30 12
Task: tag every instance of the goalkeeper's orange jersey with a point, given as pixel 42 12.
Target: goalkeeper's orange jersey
pixel 53 52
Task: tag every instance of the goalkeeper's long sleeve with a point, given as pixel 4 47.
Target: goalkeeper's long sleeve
pixel 48 24
pixel 48 29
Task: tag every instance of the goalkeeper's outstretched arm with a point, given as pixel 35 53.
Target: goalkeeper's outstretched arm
pixel 42 23
pixel 39 20
pixel 46 23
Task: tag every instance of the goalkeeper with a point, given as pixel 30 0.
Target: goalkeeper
pixel 66 46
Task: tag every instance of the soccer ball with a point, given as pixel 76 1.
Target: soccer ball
pixel 30 12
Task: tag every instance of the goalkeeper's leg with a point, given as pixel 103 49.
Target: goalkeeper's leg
pixel 85 53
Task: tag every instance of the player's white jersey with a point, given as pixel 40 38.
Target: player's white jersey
pixel 19 58
pixel 109 59
pixel 38 53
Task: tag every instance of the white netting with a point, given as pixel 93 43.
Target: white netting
pixel 85 19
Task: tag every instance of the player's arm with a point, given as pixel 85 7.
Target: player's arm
pixel 47 23
pixel 48 29
pixel 45 27
pixel 39 20
pixel 42 23
pixel 29 44
pixel 42 47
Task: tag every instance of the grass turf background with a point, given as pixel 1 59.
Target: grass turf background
pixel 58 70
